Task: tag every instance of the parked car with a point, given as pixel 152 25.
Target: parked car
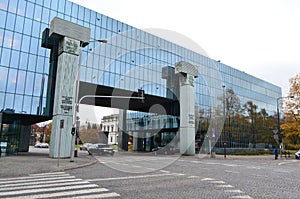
pixel 167 150
pixel 41 145
pixel 297 155
pixel 85 146
pixel 100 149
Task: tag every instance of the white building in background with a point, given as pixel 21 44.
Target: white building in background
pixel 110 124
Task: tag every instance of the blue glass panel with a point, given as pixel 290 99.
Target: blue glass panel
pixel 2 95
pixel 14 59
pixel 4 4
pixel 87 14
pixel 18 103
pixel 19 24
pixel 5 57
pixel 23 61
pixel 37 85
pixel 13 5
pixel 3 15
pixel 27 104
pixel 31 62
pixel 68 8
pixel 27 26
pixel 21 82
pixel 8 39
pixel 45 15
pixel 29 83
pixel 37 13
pixel 10 21
pixel 35 105
pixel 74 10
pixel 81 13
pixel 34 45
pixel 3 78
pixel 61 6
pixel 36 29
pixel 21 8
pixel 12 80
pixel 17 41
pixel 29 10
pixel 54 4
pixel 1 37
pixel 47 3
pixel 40 64
pixel 9 100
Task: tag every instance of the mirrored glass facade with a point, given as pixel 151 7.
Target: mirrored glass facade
pixel 131 59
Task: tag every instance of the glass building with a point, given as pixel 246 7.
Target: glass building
pixel 130 60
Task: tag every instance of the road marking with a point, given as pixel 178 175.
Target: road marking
pixel 131 177
pixel 193 177
pixel 207 179
pixel 234 191
pixel 164 171
pixel 224 186
pixel 242 197
pixel 55 185
pixel 228 171
pixel 217 182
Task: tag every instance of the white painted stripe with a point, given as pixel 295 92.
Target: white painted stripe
pixel 207 179
pixel 43 182
pixel 104 195
pixel 217 182
pixel 130 177
pixel 228 171
pixel 164 171
pixel 242 197
pixel 225 186
pixel 194 177
pixel 18 187
pixel 43 174
pixel 31 191
pixel 136 166
pixel 179 174
pixel 60 194
pixel 234 191
pixel 5 180
pixel 35 179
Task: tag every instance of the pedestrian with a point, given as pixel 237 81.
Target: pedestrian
pixel 276 153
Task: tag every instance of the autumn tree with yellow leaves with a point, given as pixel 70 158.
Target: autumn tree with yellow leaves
pixel 291 127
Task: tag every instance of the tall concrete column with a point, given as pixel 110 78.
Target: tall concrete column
pixel 71 38
pixel 187 73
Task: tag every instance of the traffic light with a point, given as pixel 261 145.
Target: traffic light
pixel 73 131
pixel 141 94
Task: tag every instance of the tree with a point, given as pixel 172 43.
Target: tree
pixel 291 128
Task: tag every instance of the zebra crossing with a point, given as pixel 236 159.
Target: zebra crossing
pixel 51 185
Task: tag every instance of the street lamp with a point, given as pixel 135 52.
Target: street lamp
pixel 75 123
pixel 278 122
pixel 224 115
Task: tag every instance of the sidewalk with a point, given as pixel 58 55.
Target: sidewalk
pixel 37 161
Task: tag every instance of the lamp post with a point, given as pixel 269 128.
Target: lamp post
pixel 75 123
pixel 278 123
pixel 224 114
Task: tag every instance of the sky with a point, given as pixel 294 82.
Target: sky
pixel 259 37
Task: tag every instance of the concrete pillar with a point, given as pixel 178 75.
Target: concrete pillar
pixel 25 132
pixel 123 135
pixel 71 38
pixel 187 72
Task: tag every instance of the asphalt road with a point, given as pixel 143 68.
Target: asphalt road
pixel 190 177
pixel 147 176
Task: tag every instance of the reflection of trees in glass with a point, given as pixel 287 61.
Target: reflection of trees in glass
pixel 245 125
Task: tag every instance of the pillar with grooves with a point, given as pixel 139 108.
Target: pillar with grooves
pixel 187 72
pixel 71 38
